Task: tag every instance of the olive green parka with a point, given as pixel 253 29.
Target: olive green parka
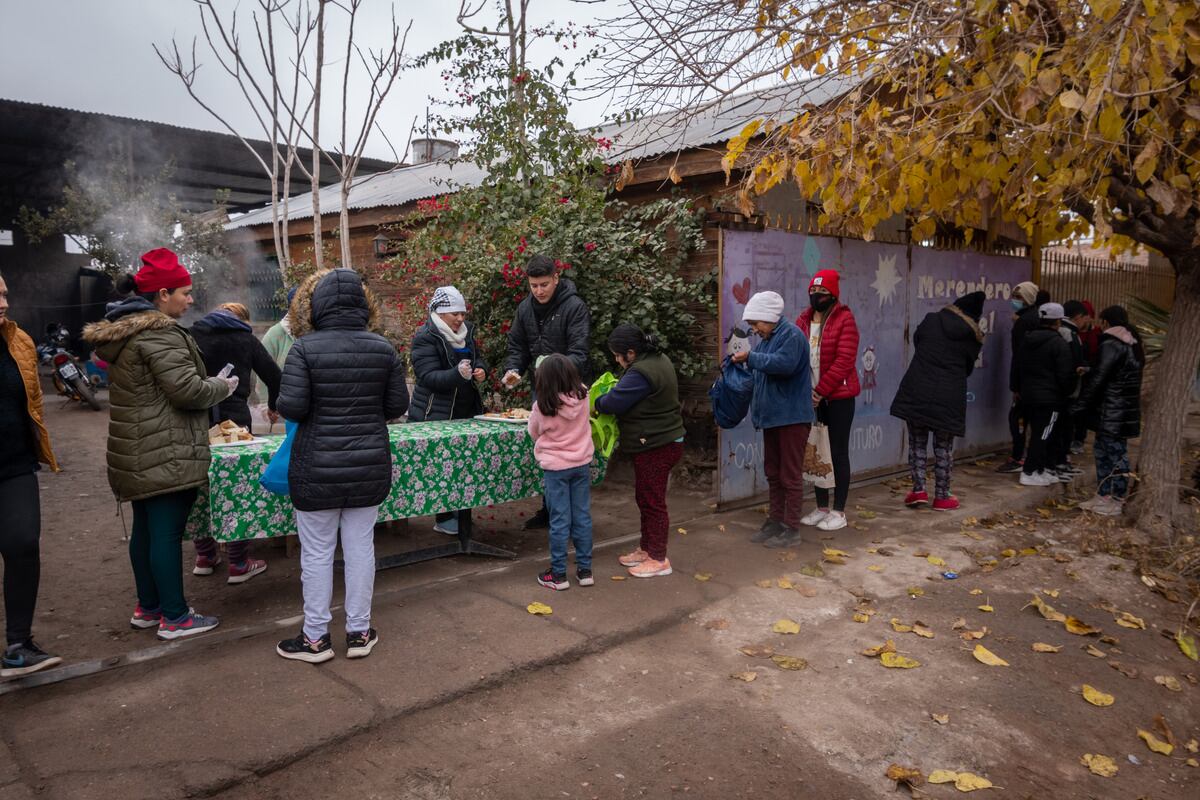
pixel 159 396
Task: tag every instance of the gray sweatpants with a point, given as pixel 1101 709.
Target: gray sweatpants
pixel 318 540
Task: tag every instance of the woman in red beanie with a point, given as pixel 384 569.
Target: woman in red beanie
pixel 833 348
pixel 159 395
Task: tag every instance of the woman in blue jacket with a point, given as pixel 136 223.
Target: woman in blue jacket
pixel 782 408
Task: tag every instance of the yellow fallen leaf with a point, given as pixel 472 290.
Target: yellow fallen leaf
pixel 1169 681
pixel 872 550
pixel 1100 765
pixel 1192 746
pixel 794 663
pixel 943 776
pixel 985 656
pixel 936 561
pixel 1046 610
pixel 976 591
pixel 887 647
pixel 1079 627
pixel 1155 744
pixel 682 531
pixel 757 650
pixel 900 627
pixel 875 568
pixel 1045 512
pixel 786 626
pixel 959 624
pixel 765 583
pixel 540 609
pixel 703 576
pixel 969 636
pixel 897 661
pixel 1096 652
pixel 915 591
pixel 986 608
pixel 617 577
pixel 905 775
pixel 1097 697
pixel 1042 647
pixel 1191 762
pixel 1031 551
pixel 833 559
pixel 1187 644
pixel 831 552
pixel 861 617
pixel 968 782
pixel 784 583
pixel 744 676
pixel 941 719
pixel 922 630
pixel 1127 620
pixel 867 514
pixel 1009 553
pixel 1050 592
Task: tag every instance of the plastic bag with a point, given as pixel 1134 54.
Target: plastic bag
pixel 604 426
pixel 275 477
pixel 731 393
pixel 818 458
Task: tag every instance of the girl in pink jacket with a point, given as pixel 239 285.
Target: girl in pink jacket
pixel 562 443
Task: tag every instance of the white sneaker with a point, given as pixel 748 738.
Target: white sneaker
pixel 834 521
pixel 1038 479
pixel 1108 507
pixel 814 517
pixel 1091 502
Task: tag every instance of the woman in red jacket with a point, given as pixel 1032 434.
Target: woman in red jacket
pixel 833 347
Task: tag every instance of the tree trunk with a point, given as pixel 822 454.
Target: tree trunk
pixel 344 223
pixel 1157 499
pixel 318 252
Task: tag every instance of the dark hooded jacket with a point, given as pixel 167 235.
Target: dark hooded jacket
pixel 341 383
pixel 158 396
pixel 1045 369
pixel 933 392
pixel 1026 321
pixel 564 326
pixel 441 392
pixel 225 339
pixel 1112 391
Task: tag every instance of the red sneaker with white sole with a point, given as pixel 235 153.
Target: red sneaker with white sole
pixel 240 573
pixel 205 565
pixel 915 499
pixel 946 504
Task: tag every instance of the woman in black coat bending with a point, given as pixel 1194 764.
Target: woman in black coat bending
pixel 448 367
pixel 932 397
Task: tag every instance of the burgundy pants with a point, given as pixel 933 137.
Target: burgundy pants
pixel 650 472
pixel 783 457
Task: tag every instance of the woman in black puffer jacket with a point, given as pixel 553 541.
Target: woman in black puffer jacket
pixel 341 383
pixel 448 367
pixel 1111 402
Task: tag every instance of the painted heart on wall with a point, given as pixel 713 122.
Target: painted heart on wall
pixel 741 291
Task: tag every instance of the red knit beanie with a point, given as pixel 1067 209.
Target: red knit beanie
pixel 826 279
pixel 161 270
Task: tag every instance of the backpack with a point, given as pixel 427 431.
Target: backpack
pixel 730 394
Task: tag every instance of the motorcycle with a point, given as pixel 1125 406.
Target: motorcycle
pixel 67 370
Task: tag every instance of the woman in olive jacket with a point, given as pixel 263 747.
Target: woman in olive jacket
pixel 159 396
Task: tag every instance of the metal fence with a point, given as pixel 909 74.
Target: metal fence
pixel 1105 282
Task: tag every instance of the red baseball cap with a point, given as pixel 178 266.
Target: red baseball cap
pixel 827 279
pixel 161 270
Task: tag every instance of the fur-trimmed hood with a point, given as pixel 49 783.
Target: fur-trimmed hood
pixel 340 298
pixel 965 317
pixel 122 322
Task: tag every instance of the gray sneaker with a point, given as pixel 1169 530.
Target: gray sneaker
pixel 1108 507
pixel 769 530
pixel 788 537
pixel 26 658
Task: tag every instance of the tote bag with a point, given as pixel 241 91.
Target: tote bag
pixel 818 459
pixel 275 477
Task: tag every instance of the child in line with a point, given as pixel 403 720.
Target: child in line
pixel 562 443
pixel 646 404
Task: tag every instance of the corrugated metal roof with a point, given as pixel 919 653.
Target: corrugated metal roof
pixel 673 131
pixel 392 188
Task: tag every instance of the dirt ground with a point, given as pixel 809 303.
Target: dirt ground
pixel 630 689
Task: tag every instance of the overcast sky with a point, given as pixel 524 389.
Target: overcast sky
pixel 96 55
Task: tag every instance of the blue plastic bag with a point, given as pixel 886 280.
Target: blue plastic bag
pixel 730 394
pixel 275 477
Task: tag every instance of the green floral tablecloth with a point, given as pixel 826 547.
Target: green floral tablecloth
pixel 436 466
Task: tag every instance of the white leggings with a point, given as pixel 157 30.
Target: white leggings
pixel 318 540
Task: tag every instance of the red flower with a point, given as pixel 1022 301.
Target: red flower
pixel 564 200
pixel 590 246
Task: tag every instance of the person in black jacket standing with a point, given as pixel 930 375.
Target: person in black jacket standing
pixel 1111 402
pixel 341 383
pixel 448 367
pixel 553 318
pixel 225 337
pixel 1060 454
pixel 1045 378
pixel 932 398
pixel 1025 319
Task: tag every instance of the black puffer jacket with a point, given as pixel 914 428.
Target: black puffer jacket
pixel 565 328
pixel 342 383
pixel 441 392
pixel 1026 321
pixel 933 392
pixel 225 339
pixel 1112 393
pixel 1045 370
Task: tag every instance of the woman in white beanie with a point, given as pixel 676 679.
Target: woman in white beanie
pixel 448 366
pixel 782 409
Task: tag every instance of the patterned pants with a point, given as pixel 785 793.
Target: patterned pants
pixel 1112 466
pixel 943 458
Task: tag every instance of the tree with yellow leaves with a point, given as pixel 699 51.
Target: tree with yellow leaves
pixel 1069 118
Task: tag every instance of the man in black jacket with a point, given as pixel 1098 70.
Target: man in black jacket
pixel 1025 303
pixel 553 318
pixel 1059 457
pixel 1045 379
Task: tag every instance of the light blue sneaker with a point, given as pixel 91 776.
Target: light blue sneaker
pixel 448 527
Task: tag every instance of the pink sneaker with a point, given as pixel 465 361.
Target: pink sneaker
pixel 634 558
pixel 946 504
pixel 143 619
pixel 651 568
pixel 915 499
pixel 244 572
pixel 205 565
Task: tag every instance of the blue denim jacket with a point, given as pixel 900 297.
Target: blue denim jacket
pixel 782 379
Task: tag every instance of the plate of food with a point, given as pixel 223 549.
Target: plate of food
pixel 229 433
pixel 515 416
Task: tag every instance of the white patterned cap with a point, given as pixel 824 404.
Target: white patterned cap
pixel 447 300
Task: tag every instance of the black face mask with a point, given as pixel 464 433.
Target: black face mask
pixel 821 302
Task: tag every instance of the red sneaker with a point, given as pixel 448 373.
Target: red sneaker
pixel 915 499
pixel 240 573
pixel 945 504
pixel 205 565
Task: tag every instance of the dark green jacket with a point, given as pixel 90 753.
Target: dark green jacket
pixel 159 396
pixel 656 420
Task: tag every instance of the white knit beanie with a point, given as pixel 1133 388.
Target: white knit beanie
pixel 764 307
pixel 447 300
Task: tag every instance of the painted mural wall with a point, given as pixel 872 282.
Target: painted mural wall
pixel 890 292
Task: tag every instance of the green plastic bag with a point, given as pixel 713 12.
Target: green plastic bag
pixel 604 426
